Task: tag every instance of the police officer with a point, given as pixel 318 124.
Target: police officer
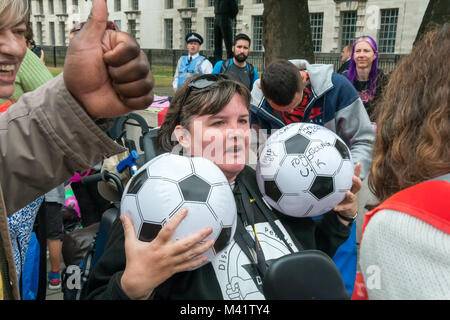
pixel 192 63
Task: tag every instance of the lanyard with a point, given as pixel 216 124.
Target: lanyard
pixel 242 237
pixel 263 209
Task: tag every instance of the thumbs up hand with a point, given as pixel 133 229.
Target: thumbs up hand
pixel 105 70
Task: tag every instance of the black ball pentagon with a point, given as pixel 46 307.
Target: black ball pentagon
pixel 296 144
pixel 137 181
pixel 321 187
pixel 149 231
pixel 223 239
pixel 194 189
pixel 342 148
pixel 272 190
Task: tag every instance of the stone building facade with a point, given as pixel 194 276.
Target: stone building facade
pixel 162 24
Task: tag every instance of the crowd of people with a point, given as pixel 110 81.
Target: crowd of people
pixel 55 127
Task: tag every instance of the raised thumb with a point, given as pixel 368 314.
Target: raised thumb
pixel 95 26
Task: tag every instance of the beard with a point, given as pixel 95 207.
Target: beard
pixel 240 57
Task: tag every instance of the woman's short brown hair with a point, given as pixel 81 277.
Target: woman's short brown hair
pixel 190 102
pixel 13 12
pixel 413 119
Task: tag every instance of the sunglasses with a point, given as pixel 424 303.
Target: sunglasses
pixel 201 82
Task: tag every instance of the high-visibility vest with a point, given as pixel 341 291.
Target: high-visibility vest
pixel 188 69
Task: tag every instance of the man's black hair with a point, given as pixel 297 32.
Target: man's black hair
pixel 280 81
pixel 241 36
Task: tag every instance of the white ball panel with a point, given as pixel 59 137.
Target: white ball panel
pixel 324 158
pixel 208 171
pixel 296 205
pixel 219 199
pixel 171 167
pixel 129 207
pixel 157 198
pixel 295 175
pixel 270 159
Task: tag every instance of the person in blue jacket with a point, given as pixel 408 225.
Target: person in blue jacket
pixel 296 91
pixel 237 67
pixel 192 63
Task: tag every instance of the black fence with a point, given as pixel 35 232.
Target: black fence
pixel 54 56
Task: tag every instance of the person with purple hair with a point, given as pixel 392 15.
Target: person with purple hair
pixel 364 73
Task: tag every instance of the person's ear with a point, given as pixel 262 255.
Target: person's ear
pixel 183 136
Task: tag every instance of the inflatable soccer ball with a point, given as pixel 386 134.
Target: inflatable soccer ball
pixel 304 170
pixel 169 183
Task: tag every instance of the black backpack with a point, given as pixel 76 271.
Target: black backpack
pixel 251 69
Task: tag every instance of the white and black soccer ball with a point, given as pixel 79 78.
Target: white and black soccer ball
pixel 171 182
pixel 304 170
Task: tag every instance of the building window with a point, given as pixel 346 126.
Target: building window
pixel 259 1
pixel 132 28
pixel 168 29
pixel 209 32
pixel 388 30
pixel 52 33
pixel 63 6
pixel 62 33
pixel 118 24
pixel 75 8
pixel 210 3
pixel 348 27
pixel 316 20
pixel 187 26
pixel 190 4
pixel 257 33
pixel 169 4
pixel 41 6
pixel 117 5
pixel 39 32
pixel 135 5
pixel 51 7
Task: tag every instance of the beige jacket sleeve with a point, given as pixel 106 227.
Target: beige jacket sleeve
pixel 44 138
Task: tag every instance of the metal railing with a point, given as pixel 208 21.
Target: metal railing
pixel 54 56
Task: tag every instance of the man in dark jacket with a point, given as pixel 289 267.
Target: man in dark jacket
pixel 346 55
pixel 225 11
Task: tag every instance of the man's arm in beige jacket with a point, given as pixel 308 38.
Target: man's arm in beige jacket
pixel 44 138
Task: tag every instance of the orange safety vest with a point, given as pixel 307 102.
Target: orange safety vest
pixel 428 201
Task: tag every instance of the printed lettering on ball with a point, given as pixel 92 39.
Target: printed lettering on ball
pixel 304 170
pixel 171 182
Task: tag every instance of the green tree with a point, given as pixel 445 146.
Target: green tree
pixel 437 13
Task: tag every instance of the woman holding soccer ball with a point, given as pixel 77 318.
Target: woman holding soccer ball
pixel 209 117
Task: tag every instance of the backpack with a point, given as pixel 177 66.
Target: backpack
pixel 251 69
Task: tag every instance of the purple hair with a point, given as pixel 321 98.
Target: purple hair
pixel 352 75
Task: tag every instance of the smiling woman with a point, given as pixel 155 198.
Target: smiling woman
pixel 13 20
pixel 364 73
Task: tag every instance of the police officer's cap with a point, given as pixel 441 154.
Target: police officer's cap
pixel 194 37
